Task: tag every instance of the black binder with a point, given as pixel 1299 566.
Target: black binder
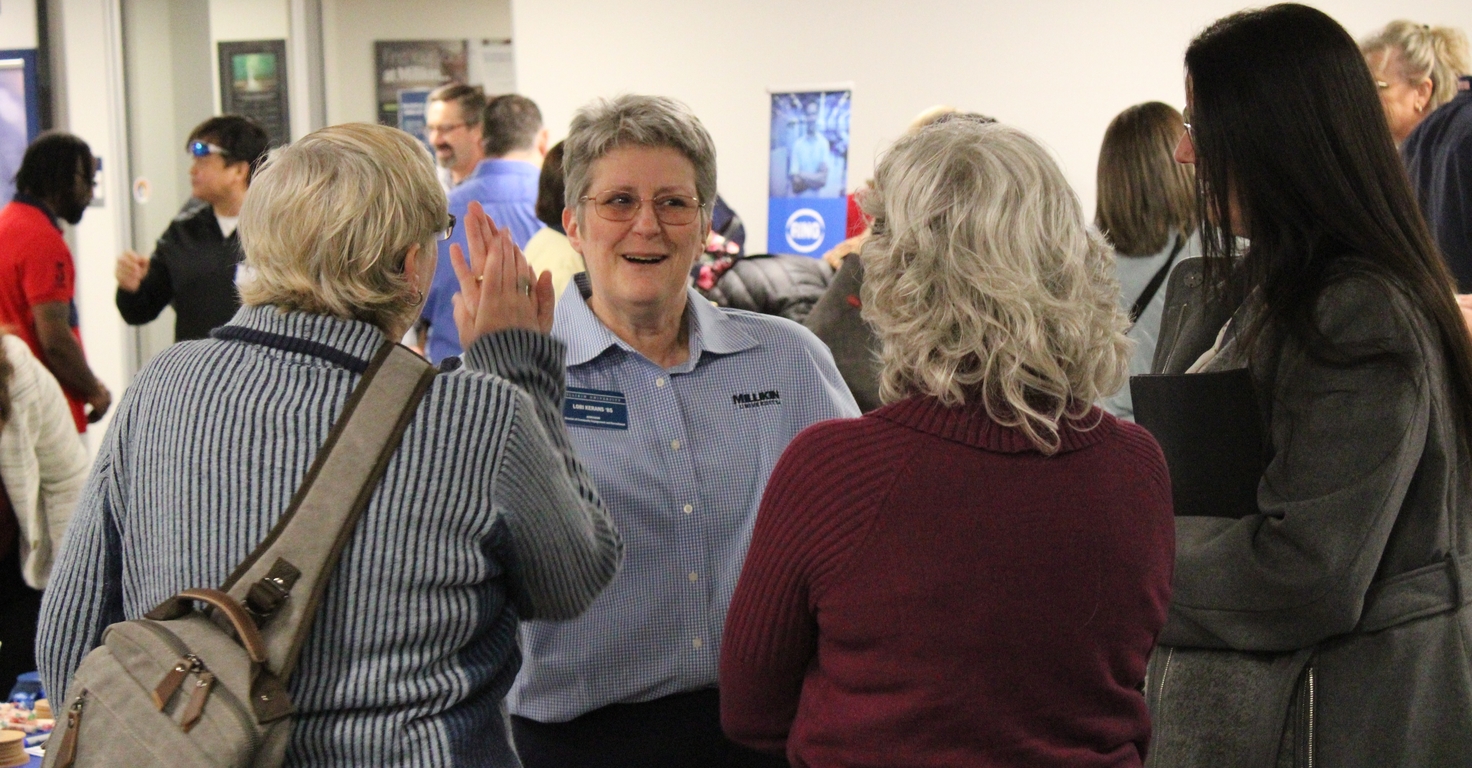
pixel 1209 428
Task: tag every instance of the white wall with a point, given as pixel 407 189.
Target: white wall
pixel 1059 69
pixel 244 20
pixel 349 28
pixel 90 43
pixel 17 24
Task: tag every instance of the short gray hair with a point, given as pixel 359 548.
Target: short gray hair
pixel 983 283
pixel 641 121
pixel 330 218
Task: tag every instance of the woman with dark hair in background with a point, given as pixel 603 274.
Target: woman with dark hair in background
pixel 1324 624
pixel 549 250
pixel 1147 210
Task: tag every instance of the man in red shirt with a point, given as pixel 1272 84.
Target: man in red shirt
pixel 37 277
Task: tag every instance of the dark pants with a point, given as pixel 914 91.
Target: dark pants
pixel 20 607
pixel 680 731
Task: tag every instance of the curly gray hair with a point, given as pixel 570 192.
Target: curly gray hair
pixel 983 283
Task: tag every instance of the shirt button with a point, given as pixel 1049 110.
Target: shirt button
pixel 675 444
pixel 694 577
pixel 697 642
pixel 689 508
pixel 659 382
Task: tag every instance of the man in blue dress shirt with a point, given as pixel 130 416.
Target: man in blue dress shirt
pixel 505 184
pixel 679 409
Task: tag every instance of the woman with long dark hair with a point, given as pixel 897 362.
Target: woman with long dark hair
pixel 1325 624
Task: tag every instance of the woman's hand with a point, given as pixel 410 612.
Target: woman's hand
pixel 499 290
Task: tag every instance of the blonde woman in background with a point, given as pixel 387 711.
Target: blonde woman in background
pixel 1416 67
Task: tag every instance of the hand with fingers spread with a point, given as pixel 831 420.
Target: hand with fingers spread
pixel 498 289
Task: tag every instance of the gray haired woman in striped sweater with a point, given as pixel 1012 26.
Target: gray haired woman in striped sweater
pixel 483 518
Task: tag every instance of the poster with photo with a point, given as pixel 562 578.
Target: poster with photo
pixel 807 205
pixel 410 65
pixel 20 114
pixel 253 83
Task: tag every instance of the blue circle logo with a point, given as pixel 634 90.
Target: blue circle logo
pixel 805 230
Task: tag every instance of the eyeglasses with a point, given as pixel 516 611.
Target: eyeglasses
pixel 449 229
pixel 1381 84
pixel 616 205
pixel 1186 119
pixel 445 128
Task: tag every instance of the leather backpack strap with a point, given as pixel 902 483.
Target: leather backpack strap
pixel 283 580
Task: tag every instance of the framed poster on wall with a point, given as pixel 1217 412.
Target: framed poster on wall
pixel 412 65
pixel 253 83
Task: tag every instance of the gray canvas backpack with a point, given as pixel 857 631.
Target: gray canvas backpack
pixel 201 679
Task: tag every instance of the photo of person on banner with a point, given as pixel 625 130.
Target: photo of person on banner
pixel 809 165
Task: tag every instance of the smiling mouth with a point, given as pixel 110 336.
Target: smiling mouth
pixel 646 259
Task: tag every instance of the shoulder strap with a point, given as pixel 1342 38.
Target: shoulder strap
pixel 1152 287
pixel 283 580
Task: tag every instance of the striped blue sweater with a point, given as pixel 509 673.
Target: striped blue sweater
pixel 484 516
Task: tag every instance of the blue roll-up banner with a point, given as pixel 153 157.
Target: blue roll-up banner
pixel 413 102
pixel 807 204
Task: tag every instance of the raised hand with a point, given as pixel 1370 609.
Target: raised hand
pixel 498 289
pixel 131 268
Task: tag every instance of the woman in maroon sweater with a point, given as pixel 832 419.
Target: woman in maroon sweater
pixel 974 574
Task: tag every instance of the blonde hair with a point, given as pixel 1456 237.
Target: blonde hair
pixel 1437 53
pixel 329 219
pixel 982 282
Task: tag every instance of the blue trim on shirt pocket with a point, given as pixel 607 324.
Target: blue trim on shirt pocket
pixel 596 408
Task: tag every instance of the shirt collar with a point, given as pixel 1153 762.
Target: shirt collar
pixel 353 338
pixel 587 337
pixel 498 167
pixel 35 202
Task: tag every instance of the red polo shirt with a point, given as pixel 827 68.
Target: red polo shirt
pixel 35 268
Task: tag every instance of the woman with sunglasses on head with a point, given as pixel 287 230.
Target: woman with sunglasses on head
pixel 1324 625
pixel 680 410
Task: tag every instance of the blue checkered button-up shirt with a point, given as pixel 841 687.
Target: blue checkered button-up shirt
pixel 681 457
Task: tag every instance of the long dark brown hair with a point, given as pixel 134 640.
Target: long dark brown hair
pixel 1286 122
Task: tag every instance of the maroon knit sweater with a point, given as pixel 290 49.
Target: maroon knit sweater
pixel 925 588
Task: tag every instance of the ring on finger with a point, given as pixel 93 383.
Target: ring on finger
pixel 480 279
pixel 524 286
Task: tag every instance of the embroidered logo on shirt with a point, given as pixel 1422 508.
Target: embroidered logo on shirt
pixel 595 408
pixel 757 399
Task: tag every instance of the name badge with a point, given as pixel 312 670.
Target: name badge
pixel 595 408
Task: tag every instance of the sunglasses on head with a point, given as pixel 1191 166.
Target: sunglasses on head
pixel 205 149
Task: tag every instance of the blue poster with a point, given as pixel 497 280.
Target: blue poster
pixel 20 114
pixel 807 196
pixel 412 105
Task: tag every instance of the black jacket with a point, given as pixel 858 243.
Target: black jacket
pixel 786 286
pixel 1438 156
pixel 193 268
pixel 836 320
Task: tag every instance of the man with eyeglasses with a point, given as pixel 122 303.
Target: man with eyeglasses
pixel 196 263
pixel 452 127
pixel 505 184
pixel 37 275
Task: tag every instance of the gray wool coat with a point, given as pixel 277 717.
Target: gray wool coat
pixel 1328 626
